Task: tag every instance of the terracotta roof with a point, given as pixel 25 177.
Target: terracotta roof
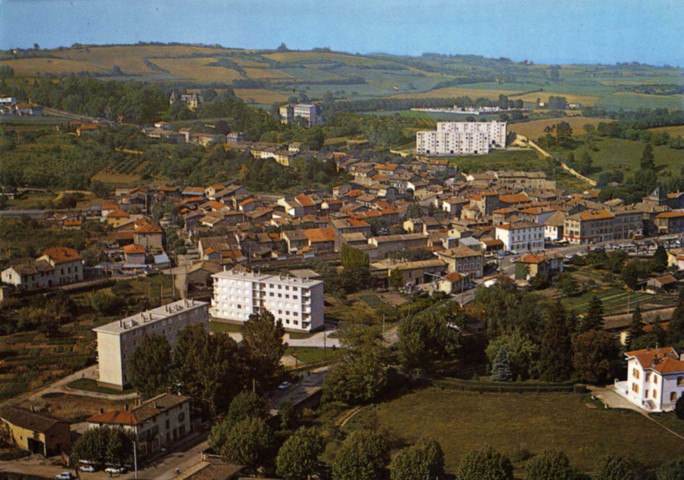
pixel 595 215
pixel 133 248
pixel 62 254
pixel 514 198
pixel 531 258
pixel 151 408
pixel 145 227
pixel 305 201
pixel 454 277
pixel 316 235
pixel 670 215
pixel 118 214
pixel 461 252
pixel 662 360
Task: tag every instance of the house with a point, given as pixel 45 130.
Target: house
pixel 395 243
pixel 134 254
pixel 147 234
pixel 666 283
pixel 524 236
pixel 414 273
pixel 536 265
pixel 463 260
pixel 295 240
pixel 321 239
pixel 156 423
pixel 56 266
pixel 670 222
pixel 36 432
pixel 655 379
pixel 454 283
pixel 589 226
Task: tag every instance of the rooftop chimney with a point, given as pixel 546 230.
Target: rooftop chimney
pixel 101 411
pixel 125 406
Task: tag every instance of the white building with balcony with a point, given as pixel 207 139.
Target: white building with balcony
pixel 296 302
pixel 655 379
pixel 461 138
pixel 116 341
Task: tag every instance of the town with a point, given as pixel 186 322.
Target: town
pixel 257 277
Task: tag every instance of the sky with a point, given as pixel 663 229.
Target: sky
pixel 544 31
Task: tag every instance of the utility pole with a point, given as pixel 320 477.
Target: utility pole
pixel 135 459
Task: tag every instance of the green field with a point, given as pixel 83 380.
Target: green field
pixel 90 385
pixel 513 423
pixel 618 154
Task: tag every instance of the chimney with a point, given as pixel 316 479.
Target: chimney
pixel 101 411
pixel 125 406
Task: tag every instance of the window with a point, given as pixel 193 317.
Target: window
pixel 655 379
pixel 673 396
pixel 648 377
pixel 680 381
pixel 655 393
pixel 646 393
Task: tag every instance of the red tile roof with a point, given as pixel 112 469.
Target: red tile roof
pixel 62 254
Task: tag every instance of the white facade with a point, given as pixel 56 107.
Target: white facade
pixel 309 112
pixel 655 379
pixel 461 138
pixel 521 236
pixel 296 302
pixel 117 341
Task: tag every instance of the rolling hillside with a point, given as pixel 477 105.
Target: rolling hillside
pixel 264 77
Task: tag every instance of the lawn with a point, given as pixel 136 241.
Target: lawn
pixel 512 423
pixel 307 355
pixel 500 160
pixel 535 128
pixel 619 154
pixel 221 327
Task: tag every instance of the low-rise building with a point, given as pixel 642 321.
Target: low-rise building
pixel 116 341
pixel 56 266
pixel 589 226
pixel 156 423
pixel 521 236
pixel 670 222
pixel 36 432
pixel 463 260
pixel 535 265
pixel 655 379
pixel 297 302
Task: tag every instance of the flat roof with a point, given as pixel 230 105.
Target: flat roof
pixel 150 316
pixel 236 274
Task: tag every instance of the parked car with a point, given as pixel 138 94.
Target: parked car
pixel 284 386
pixel 115 470
pixel 64 476
pixel 86 468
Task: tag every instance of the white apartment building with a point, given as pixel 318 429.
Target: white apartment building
pixel 655 379
pixel 309 112
pixel 117 340
pixel 521 236
pixel 296 302
pixel 461 138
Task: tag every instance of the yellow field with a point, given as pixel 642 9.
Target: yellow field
pixel 243 62
pixel 675 131
pixel 535 128
pixel 294 56
pixel 56 66
pixel 197 69
pixel 457 92
pixel 260 95
pixel 261 73
pixel 586 100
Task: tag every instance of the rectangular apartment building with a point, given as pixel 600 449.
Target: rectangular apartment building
pixel 117 341
pixel 296 302
pixel 461 138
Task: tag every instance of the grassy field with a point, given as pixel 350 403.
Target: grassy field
pixel 675 131
pixel 90 385
pixel 511 423
pixel 308 355
pixel 500 160
pixel 535 128
pixel 316 72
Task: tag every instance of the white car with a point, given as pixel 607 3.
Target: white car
pixel 86 468
pixel 64 476
pixel 115 470
pixel 284 386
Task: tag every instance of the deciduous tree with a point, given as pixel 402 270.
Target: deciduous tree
pixel 298 457
pixel 551 465
pixel 485 464
pixel 248 443
pixel 149 368
pixel 262 347
pixel 596 356
pixel 425 459
pixel 616 467
pixel 362 456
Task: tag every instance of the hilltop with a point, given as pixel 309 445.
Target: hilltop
pixel 264 77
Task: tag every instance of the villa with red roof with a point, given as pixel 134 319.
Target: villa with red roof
pixel 655 379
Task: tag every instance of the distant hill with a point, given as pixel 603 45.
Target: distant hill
pixel 267 76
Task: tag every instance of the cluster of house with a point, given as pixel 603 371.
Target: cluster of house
pixel 163 131
pixel 10 106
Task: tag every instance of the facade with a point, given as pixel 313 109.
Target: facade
pixel 655 379
pixel 310 113
pixel 117 341
pixel 461 138
pixel 296 302
pixel 156 423
pixel 589 226
pixel 521 236
pixel 670 222
pixel 533 265
pixel 418 272
pixel 36 432
pixel 463 260
pixel 56 266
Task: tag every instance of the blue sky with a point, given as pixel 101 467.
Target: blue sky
pixel 584 31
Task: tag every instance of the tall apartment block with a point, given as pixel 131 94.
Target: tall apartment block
pixel 461 138
pixel 296 302
pixel 310 113
pixel 117 341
